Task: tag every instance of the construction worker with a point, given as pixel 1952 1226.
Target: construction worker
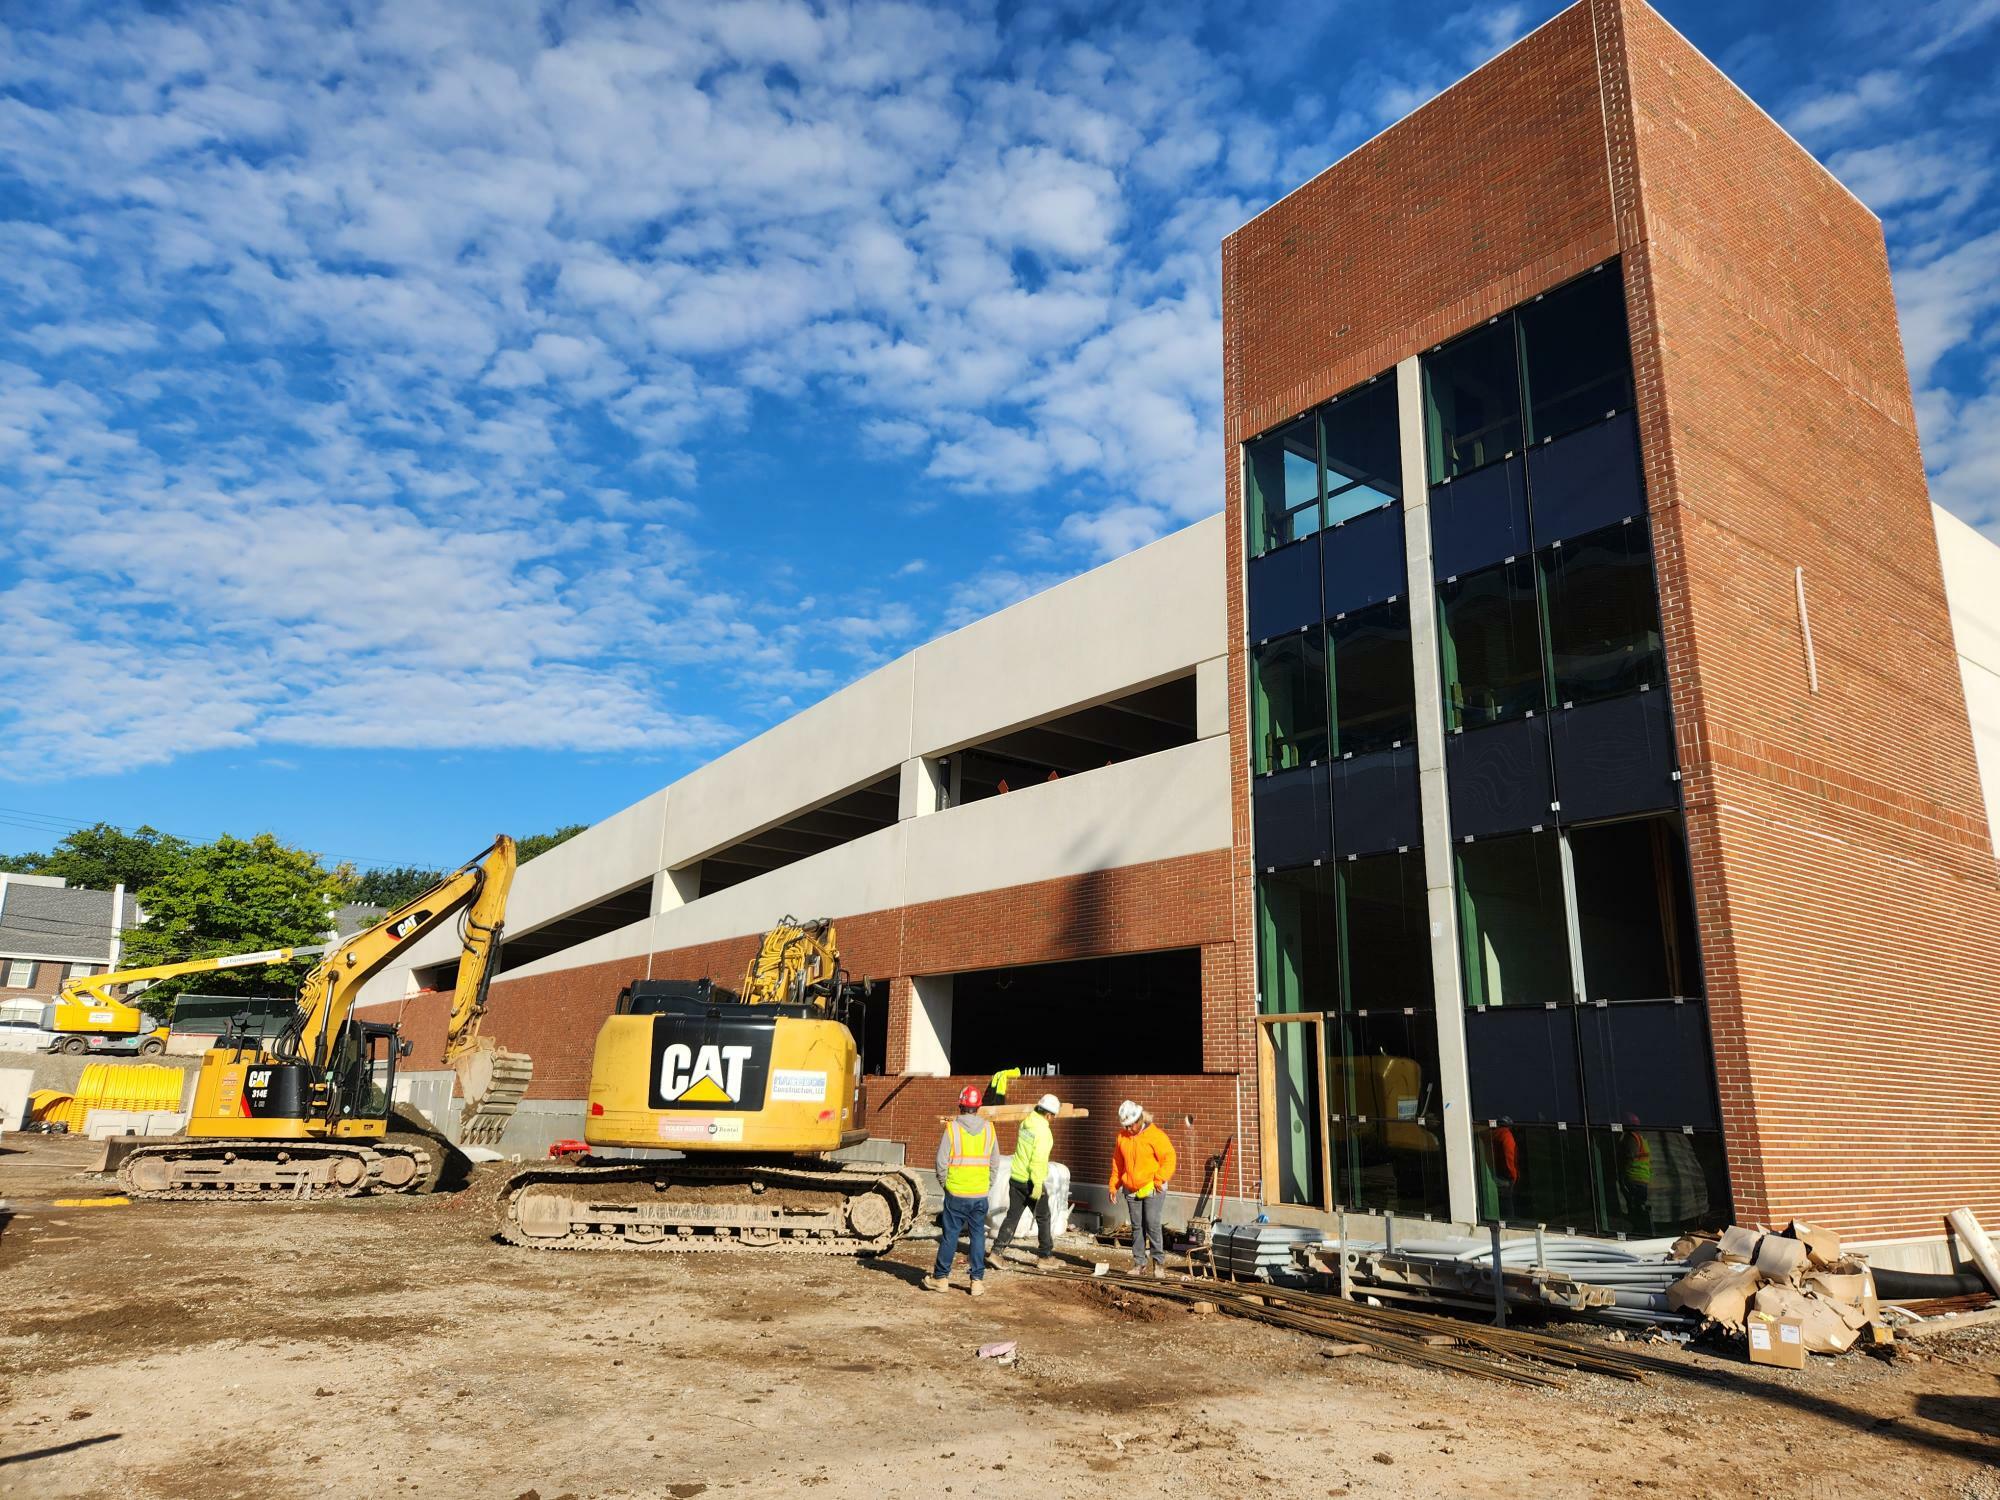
pixel 996 1089
pixel 1635 1178
pixel 1142 1163
pixel 1503 1156
pixel 967 1156
pixel 1028 1181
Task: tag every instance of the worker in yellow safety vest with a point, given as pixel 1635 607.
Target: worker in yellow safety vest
pixel 1027 1182
pixel 968 1155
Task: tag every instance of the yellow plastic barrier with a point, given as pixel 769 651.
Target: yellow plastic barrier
pixel 42 1101
pixel 135 1086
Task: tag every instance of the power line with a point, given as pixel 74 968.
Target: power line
pixel 53 824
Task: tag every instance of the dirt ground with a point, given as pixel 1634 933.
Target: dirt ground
pixel 388 1347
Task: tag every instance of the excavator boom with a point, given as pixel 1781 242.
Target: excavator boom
pixel 87 1004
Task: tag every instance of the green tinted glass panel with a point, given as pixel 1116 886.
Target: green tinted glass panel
pixel 1298 953
pixel 1514 934
pixel 1296 1174
pixel 1373 683
pixel 1386 938
pixel 1391 1166
pixel 1282 476
pixel 1604 616
pixel 1535 1174
pixel 1363 453
pixel 1288 689
pixel 1576 358
pixel 1654 1183
pixel 1490 646
pixel 1472 401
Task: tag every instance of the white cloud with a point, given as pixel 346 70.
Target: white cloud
pixel 1831 110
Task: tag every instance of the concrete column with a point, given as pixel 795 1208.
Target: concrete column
pixel 922 788
pixel 1211 698
pixel 930 1025
pixel 675 888
pixel 1440 891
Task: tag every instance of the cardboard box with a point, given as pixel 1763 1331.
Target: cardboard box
pixel 1718 1290
pixel 1827 1327
pixel 1776 1341
pixel 1822 1245
pixel 1738 1244
pixel 1778 1258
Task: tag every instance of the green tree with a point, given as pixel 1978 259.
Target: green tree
pixel 391 888
pixel 540 843
pixel 233 896
pixel 99 857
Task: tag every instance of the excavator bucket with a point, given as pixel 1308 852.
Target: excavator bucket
pixel 492 1083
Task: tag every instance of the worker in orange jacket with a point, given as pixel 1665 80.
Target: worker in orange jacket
pixel 1142 1163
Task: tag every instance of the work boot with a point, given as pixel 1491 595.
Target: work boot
pixel 979 1289
pixel 935 1283
pixel 1048 1263
pixel 1159 1270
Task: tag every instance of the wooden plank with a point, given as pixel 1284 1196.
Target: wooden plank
pixel 1013 1114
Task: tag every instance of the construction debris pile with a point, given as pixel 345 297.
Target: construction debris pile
pixel 1790 1294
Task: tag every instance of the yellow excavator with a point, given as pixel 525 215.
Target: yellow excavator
pixel 754 1090
pixel 87 1009
pixel 307 1114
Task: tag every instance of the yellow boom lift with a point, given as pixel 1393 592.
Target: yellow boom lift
pixel 306 1115
pixel 86 1008
pixel 755 1091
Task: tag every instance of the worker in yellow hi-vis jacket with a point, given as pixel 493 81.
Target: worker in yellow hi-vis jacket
pixel 1027 1183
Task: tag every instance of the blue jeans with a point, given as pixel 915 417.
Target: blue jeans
pixel 960 1214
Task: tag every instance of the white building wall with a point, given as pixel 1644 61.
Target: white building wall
pixel 1150 616
pixel 1972 588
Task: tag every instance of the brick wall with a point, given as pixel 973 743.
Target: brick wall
pixel 44 980
pixel 1844 874
pixel 910 1110
pixel 1850 919
pixel 1174 903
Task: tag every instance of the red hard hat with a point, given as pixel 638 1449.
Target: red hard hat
pixel 969 1096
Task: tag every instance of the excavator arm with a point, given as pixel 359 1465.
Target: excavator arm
pixel 490 1081
pixel 86 1002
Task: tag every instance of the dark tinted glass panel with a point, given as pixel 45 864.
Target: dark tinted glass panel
pixel 1298 948
pixel 1498 778
pixel 1375 802
pixel 1472 401
pixel 1480 519
pixel 1604 619
pixel 1655 1183
pixel 1512 929
pixel 1646 1065
pixel 1522 1063
pixel 1374 692
pixel 1635 918
pixel 1363 561
pixel 1283 589
pixel 1288 696
pixel 1392 1166
pixel 1585 481
pixel 1384 1066
pixel 1575 354
pixel 1490 646
pixel 1363 460
pixel 1282 477
pixel 1289 820
pixel 1296 1175
pixel 1614 758
pixel 1387 933
pixel 1535 1174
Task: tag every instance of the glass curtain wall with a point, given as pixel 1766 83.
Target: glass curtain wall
pixel 1586 1035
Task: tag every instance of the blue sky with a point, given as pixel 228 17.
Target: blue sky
pixel 418 419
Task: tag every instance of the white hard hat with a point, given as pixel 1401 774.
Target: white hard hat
pixel 1049 1104
pixel 1128 1113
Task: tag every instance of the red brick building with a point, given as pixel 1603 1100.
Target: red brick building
pixel 1547 794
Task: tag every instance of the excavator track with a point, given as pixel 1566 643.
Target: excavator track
pixel 604 1207
pixel 273 1171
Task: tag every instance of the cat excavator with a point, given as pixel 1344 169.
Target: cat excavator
pixel 308 1113
pixel 735 1101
